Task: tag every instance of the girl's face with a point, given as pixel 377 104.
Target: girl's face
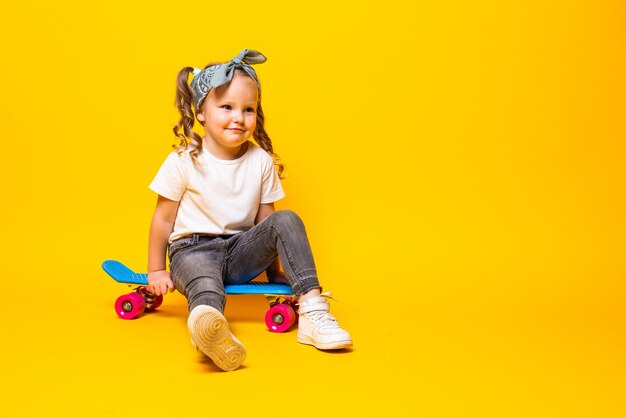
pixel 229 116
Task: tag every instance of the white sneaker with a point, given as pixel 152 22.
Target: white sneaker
pixel 211 334
pixel 317 327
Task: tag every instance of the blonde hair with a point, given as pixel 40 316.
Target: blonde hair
pixel 190 140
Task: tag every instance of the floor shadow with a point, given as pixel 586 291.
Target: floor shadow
pixel 339 351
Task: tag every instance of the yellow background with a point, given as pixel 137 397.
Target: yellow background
pixel 459 167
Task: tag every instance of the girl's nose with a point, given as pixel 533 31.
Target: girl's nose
pixel 237 117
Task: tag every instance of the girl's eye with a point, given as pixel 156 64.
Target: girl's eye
pixel 250 110
pixel 227 107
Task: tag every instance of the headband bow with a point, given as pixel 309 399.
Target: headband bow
pixel 220 74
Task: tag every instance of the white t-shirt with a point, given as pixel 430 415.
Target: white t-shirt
pixel 217 196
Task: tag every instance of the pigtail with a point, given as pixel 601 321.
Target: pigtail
pixel 184 128
pixel 264 141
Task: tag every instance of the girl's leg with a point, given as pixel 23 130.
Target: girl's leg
pixel 197 273
pixel 283 234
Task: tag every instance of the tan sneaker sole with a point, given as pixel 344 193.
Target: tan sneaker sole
pixel 335 345
pixel 212 336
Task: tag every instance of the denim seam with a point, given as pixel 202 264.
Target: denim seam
pixel 285 248
pixel 225 258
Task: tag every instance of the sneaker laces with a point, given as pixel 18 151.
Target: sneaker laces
pixel 322 317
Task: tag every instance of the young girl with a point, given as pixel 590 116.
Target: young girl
pixel 215 213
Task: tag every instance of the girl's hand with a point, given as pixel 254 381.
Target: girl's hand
pixel 160 282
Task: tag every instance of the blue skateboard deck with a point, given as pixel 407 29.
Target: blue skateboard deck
pixel 122 274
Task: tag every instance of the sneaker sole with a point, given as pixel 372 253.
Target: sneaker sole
pixel 306 339
pixel 212 336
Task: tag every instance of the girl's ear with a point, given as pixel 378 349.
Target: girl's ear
pixel 200 117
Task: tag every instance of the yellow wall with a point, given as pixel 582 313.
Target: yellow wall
pixel 459 167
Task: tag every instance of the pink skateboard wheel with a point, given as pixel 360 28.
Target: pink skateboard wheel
pixel 294 305
pixel 279 318
pixel 130 306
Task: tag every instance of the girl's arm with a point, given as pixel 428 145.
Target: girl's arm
pixel 265 210
pixel 274 273
pixel 160 230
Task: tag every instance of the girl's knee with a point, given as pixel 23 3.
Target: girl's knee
pixel 287 218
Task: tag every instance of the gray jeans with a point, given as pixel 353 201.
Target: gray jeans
pixel 201 265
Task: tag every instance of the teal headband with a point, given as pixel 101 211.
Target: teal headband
pixel 218 75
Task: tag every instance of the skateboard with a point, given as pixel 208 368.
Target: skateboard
pixel 279 318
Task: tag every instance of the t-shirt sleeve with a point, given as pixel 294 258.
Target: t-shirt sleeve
pixel 271 188
pixel 170 181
